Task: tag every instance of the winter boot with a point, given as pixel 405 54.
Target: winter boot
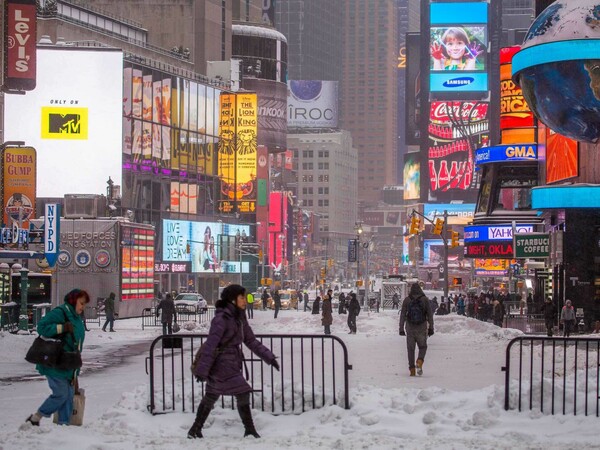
pixel 243 407
pixel 204 408
pixel 419 367
pixel 412 371
pixel 34 419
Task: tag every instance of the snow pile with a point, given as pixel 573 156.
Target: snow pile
pixel 469 327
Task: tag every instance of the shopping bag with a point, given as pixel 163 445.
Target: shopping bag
pixel 78 409
pixel 176 327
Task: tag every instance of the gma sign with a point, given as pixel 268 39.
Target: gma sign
pixel 521 152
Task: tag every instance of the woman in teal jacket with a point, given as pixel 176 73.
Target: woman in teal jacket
pixel 65 319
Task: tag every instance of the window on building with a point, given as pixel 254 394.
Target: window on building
pixel 514 183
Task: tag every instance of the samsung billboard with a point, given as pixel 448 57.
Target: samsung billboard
pixel 73 118
pixel 312 104
pixel 458 47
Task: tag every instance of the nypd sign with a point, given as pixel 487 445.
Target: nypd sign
pixel 52 232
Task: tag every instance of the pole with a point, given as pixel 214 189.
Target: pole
pixel 23 317
pixel 368 282
pixel 446 275
pixel 241 281
pixel 357 259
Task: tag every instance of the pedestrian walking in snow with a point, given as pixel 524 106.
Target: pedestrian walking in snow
pixel 316 306
pixel 353 312
pixel 305 301
pixel 395 301
pixel 276 302
pixel 568 318
pixel 342 303
pixel 327 315
pixel 416 323
pixel 250 308
pixel 221 359
pixel 63 322
pixel 109 310
pixel 168 313
pixel 549 311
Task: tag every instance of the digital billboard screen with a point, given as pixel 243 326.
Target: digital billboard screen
pixel 412 176
pixel 562 157
pixel 73 118
pixel 458 47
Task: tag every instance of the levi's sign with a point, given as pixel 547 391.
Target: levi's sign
pixel 532 245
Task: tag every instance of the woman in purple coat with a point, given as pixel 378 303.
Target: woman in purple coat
pixel 221 359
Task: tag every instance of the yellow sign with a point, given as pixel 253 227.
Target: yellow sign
pixel 225 207
pixel 19 185
pixel 227 139
pixel 64 123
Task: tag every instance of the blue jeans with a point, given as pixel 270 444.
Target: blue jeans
pixel 60 400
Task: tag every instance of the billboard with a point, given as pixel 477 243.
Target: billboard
pixel 514 110
pixel 272 111
pixel 455 130
pixel 412 176
pixel 238 152
pixel 413 89
pixel 74 120
pixel 278 219
pixel 212 245
pixel 562 157
pixel 458 213
pixel 18 186
pixel 491 267
pixel 458 47
pixel 493 232
pixel 312 104
pixel 19 45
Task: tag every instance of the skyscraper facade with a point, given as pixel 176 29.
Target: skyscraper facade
pixel 369 92
pixel 314 30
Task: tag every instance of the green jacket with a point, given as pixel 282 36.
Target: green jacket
pixel 51 326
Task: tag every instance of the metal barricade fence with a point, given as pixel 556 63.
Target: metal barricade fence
pixel 9 317
pixel 184 314
pixel 553 375
pixel 313 373
pixel 527 323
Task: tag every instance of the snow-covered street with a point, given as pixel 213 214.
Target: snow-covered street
pixel 457 403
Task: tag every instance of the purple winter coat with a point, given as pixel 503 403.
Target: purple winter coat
pixel 223 369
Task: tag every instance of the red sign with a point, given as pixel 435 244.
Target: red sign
pixel 562 157
pixel 20 44
pixel 514 110
pixel 489 249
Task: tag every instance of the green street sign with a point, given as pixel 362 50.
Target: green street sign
pixel 532 245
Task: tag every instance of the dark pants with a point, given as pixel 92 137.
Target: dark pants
pixel 276 311
pixel 352 322
pixel 568 327
pixel 327 329
pixel 110 320
pixel 167 328
pixel 305 306
pixel 250 310
pixel 416 337
pixel 550 326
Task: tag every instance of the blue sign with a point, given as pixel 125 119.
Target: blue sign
pixel 458 82
pixel 459 12
pixel 52 232
pixel 494 232
pixel 351 250
pixel 503 153
pixel 564 197
pixel 458 213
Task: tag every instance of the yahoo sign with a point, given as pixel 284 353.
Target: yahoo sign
pixel 494 232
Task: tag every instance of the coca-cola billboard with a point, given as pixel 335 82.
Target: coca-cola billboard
pixel 456 130
pixel 20 43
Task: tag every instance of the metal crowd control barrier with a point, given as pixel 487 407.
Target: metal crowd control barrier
pixel 553 375
pixel 527 323
pixel 184 314
pixel 313 373
pixel 9 317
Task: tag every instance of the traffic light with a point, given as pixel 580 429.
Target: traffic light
pixel 438 227
pixel 415 224
pixel 323 272
pixel 455 240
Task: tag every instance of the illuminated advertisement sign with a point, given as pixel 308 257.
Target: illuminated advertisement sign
pixel 458 213
pixel 489 249
pixel 172 267
pixel 456 129
pixel 491 267
pixel 212 245
pixel 514 110
pixel 505 153
pixel 74 119
pixel 18 185
pixel 458 47
pixel 494 232
pixel 312 104
pixel 562 157
pixel 238 127
pixel 278 217
pixel 412 176
pixel 19 45
pixel 137 263
pixel 413 89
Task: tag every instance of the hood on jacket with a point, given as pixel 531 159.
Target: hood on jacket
pixel 416 291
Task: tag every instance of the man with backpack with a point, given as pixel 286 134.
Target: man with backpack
pixel 416 323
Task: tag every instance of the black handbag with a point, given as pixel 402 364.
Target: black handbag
pixel 45 351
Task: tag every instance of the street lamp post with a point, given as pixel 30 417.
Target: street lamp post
pixel 359 230
pixel 23 317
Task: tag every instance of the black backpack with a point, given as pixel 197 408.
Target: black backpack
pixel 416 312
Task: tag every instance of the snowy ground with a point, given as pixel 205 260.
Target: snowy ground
pixel 457 404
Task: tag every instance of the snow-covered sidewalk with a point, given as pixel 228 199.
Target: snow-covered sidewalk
pixel 458 403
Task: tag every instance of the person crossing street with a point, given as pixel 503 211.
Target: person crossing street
pixel 416 323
